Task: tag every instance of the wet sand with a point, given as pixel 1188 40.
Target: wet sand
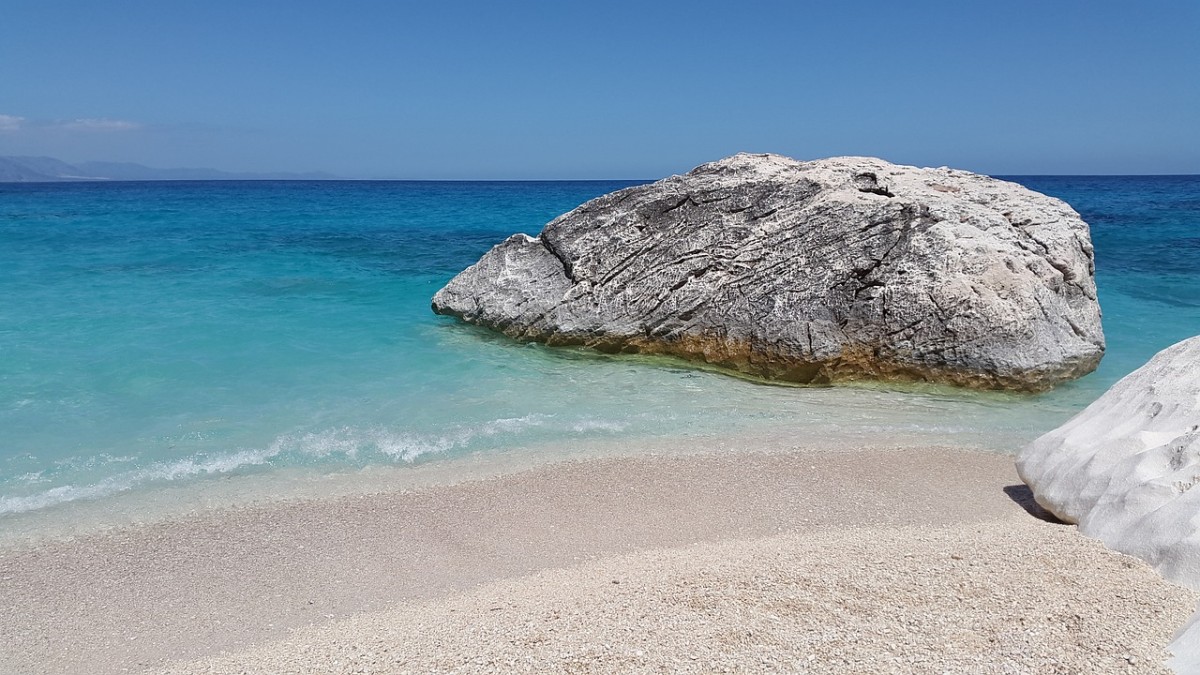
pixel 874 560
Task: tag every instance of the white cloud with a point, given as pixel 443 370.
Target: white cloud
pixel 14 123
pixel 99 124
pixel 10 122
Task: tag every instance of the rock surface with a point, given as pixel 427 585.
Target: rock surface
pixel 1124 469
pixel 813 272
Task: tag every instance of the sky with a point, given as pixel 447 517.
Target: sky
pixel 462 89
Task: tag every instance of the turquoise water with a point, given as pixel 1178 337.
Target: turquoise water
pixel 154 334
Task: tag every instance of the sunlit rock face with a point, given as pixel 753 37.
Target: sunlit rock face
pixel 812 272
pixel 1124 469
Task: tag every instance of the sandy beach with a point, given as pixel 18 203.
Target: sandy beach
pixel 871 560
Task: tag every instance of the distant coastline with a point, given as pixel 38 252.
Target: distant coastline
pixel 17 169
pixel 40 169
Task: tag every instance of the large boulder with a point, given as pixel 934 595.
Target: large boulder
pixel 813 272
pixel 1124 469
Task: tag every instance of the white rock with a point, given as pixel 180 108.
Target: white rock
pixel 1124 469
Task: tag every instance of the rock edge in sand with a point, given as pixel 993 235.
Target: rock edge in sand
pixel 812 272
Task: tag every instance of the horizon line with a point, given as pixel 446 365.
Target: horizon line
pixel 89 180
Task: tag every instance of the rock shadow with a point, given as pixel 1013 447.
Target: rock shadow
pixel 1023 496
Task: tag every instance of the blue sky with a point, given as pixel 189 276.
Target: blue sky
pixel 463 90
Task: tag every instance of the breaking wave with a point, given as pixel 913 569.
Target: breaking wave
pixel 339 447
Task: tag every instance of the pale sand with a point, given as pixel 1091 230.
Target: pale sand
pixel 868 561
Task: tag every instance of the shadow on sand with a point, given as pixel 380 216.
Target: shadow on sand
pixel 1023 496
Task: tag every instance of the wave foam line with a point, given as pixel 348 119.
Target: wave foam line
pixel 127 480
pixel 347 442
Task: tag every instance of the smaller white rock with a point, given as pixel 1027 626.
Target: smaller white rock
pixel 1124 469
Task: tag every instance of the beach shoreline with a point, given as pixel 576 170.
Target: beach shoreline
pixel 249 581
pixel 257 487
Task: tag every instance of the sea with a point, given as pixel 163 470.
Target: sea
pixel 160 339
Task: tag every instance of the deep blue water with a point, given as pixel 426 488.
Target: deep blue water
pixel 153 333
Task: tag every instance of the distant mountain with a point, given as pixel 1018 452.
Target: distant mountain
pixel 35 170
pixel 48 169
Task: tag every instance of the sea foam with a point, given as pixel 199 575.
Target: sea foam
pixel 331 449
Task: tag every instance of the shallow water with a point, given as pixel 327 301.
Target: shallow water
pixel 157 334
